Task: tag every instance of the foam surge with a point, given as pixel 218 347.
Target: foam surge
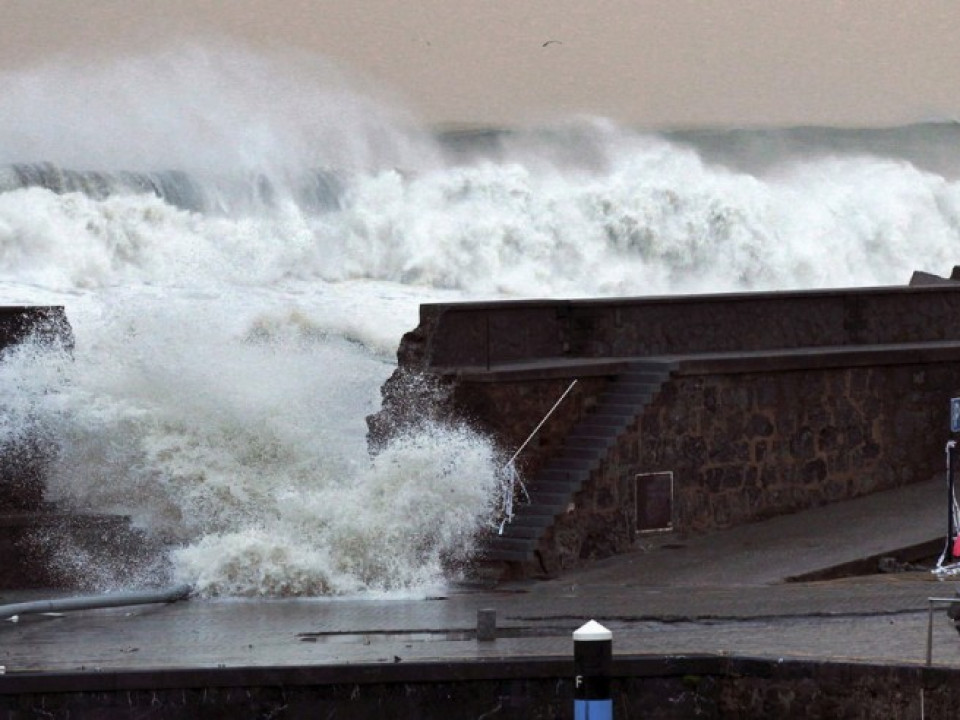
pixel 400 523
pixel 242 449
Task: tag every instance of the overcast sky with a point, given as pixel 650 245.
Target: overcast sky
pixel 651 63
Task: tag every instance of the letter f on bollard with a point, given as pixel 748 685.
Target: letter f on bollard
pixel 592 659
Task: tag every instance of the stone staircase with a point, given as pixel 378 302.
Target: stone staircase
pixel 585 448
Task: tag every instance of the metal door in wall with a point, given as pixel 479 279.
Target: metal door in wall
pixel 654 502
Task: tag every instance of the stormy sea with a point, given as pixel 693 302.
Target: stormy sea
pixel 240 241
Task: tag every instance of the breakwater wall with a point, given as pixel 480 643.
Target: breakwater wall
pixel 459 336
pixel 530 688
pixel 23 463
pixel 768 403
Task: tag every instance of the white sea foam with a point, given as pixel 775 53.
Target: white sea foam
pixel 240 441
pixel 225 362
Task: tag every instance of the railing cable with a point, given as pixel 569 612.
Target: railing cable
pixel 513 476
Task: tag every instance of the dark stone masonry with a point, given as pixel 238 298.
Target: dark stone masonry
pixel 23 463
pixel 774 402
pixel 662 687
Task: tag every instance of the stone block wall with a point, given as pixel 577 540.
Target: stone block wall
pixel 748 446
pixel 483 335
pixel 22 466
pixel 661 687
pixel 744 440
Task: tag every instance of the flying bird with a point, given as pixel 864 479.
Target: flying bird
pixel 551 42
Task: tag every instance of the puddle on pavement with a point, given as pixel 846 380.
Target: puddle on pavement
pixel 408 636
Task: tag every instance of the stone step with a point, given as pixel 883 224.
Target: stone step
pixel 510 530
pixel 545 499
pixel 617 410
pixel 495 554
pixel 612 423
pixel 552 508
pixel 598 443
pixel 579 453
pixel 650 377
pixel 567 487
pixel 520 544
pixel 539 519
pixel 632 398
pixel 559 475
pixel 641 384
pixel 615 425
pixel 650 366
pixel 620 411
pixel 551 504
pixel 635 383
pixel 584 466
pixel 600 438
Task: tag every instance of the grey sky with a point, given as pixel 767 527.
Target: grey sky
pixel 651 63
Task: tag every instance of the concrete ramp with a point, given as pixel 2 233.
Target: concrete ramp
pixel 842 538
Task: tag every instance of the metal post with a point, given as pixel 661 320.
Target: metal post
pixel 592 661
pixel 950 602
pixel 486 625
pixel 951 530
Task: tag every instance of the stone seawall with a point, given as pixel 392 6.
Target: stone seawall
pixel 776 402
pixel 743 445
pixel 21 465
pixel 483 335
pixel 641 687
pixel 761 443
pixel 745 437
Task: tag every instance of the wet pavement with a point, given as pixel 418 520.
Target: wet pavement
pixel 726 593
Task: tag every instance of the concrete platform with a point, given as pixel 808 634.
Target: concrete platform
pixel 727 594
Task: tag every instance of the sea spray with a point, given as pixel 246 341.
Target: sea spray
pixel 400 523
pixel 231 446
pixel 210 107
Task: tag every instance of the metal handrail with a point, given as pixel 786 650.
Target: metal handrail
pixel 511 469
pixel 540 425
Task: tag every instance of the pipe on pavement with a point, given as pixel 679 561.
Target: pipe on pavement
pixel 137 597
